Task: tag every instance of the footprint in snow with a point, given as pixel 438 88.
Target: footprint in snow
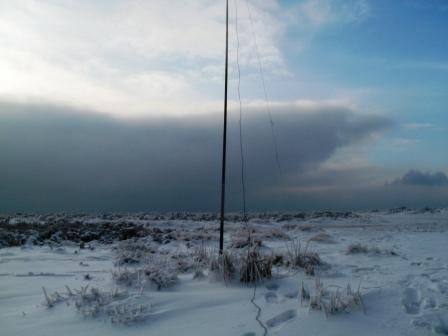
pixel 429 303
pixel 281 318
pixel 292 295
pixel 271 297
pixel 442 327
pixel 272 286
pixel 442 287
pixel 411 301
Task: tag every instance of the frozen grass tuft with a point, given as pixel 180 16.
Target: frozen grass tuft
pixel 90 302
pixel 223 267
pixel 331 302
pixel 276 233
pixel 255 267
pixel 159 275
pixel 53 299
pixel 322 237
pixel 248 267
pixel 242 238
pixel 298 257
pixel 201 255
pixel 357 248
pixel 154 273
pixel 364 249
pixel 132 252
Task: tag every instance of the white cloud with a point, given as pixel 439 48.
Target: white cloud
pixel 129 57
pixel 139 58
pixel 404 142
pixel 320 13
pixel 419 125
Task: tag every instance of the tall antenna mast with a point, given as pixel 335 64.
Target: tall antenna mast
pixel 224 137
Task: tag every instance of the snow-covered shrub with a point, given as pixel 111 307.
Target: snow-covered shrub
pixel 278 259
pixel 223 266
pixel 306 227
pixel 298 257
pixel 201 254
pixel 155 273
pixel 316 300
pixel 126 277
pixel 239 242
pixel 90 302
pixel 247 266
pixel 322 237
pixel 119 307
pixel 290 226
pixel 331 302
pixel 254 266
pixel 127 312
pixel 304 294
pixel 183 262
pixel 199 275
pixel 276 233
pixel 159 275
pixel 242 238
pixel 359 248
pixel 52 299
pixel 132 251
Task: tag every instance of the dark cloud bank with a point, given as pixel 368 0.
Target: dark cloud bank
pixel 418 178
pixel 54 158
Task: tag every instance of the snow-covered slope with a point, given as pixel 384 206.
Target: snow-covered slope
pixel 398 259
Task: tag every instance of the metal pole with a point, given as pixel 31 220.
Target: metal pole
pixel 224 141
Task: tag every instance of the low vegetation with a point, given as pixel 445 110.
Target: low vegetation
pixel 119 307
pixel 302 257
pixel 331 302
pixel 364 249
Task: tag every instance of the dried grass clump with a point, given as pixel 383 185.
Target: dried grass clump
pixel 52 299
pixel 91 302
pixel 201 255
pixel 276 233
pixel 298 257
pixel 155 273
pixel 184 264
pixel 322 237
pixel 356 249
pixel 290 226
pixel 248 267
pixel 306 227
pixel 243 238
pixel 223 267
pixel 126 277
pixel 359 248
pixel 159 276
pixel 132 252
pixel 331 302
pixel 255 267
pixel 127 312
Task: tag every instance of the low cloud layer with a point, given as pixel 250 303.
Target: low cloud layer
pixel 57 158
pixel 419 178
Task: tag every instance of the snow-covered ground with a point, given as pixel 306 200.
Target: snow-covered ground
pixel 398 260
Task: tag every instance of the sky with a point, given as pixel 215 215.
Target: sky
pixel 117 105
